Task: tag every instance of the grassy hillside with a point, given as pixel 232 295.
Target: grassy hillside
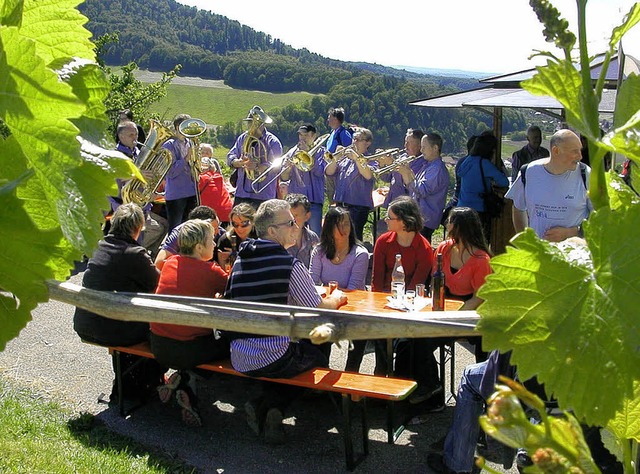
pixel 217 106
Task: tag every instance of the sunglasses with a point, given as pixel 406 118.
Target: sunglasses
pixel 290 223
pixel 242 224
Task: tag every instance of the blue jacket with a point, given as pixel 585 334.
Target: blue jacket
pixel 471 187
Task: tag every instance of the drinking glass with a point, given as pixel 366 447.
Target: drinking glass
pixel 420 290
pixel 409 299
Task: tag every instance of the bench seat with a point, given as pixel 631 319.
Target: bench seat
pixel 354 387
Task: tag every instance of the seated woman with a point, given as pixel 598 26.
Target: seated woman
pixel 170 244
pixel 404 222
pixel 121 264
pixel 190 273
pixel 465 262
pixel 403 237
pixel 241 217
pixel 340 257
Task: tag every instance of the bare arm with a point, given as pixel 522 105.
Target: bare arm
pixel 520 219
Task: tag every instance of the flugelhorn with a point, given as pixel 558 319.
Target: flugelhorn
pixel 364 159
pixel 405 160
pixel 303 160
pixel 338 155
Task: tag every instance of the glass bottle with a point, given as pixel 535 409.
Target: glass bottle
pixel 233 254
pixel 397 279
pixel 437 286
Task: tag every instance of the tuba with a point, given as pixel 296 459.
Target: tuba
pixel 257 117
pixel 303 160
pixel 152 158
pixel 192 128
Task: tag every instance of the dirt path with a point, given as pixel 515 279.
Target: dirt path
pixel 49 358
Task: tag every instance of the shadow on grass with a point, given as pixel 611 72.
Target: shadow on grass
pixel 92 433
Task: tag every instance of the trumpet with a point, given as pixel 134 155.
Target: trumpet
pixel 405 160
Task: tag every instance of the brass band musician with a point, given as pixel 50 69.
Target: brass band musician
pixel 308 183
pixel 253 152
pixel 180 186
pixel 397 185
pixel 354 179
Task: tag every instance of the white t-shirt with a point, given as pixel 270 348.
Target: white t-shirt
pixel 551 200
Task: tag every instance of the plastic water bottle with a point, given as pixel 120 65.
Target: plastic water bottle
pixel 437 286
pixel 397 279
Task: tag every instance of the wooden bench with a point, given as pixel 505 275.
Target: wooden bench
pixel 353 387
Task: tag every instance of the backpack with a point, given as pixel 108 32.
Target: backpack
pixel 349 129
pixel 583 173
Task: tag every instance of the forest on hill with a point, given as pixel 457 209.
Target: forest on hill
pixel 159 34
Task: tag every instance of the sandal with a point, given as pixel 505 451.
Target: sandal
pixel 165 391
pixel 187 401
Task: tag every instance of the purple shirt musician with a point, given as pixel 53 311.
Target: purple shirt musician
pixel 309 183
pixel 351 187
pixel 396 184
pixel 430 190
pixel 179 182
pixel 273 148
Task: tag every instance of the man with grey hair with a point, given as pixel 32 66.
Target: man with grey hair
pixel 550 194
pixel 265 272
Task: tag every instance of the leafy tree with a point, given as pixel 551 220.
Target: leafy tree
pixel 569 312
pixel 54 179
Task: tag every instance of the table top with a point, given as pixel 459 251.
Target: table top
pixel 376 302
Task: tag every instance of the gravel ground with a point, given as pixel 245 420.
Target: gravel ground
pixel 49 358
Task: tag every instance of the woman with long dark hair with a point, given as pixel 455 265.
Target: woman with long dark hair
pixel 465 257
pixel 340 257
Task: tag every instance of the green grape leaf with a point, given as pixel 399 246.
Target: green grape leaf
pixel 630 20
pixel 89 84
pixel 626 422
pixel 11 12
pixel 562 82
pixel 56 28
pixel 566 312
pixel 624 196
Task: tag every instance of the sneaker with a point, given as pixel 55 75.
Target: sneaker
pixel 165 391
pixel 253 419
pixel 273 428
pixel 423 394
pixel 187 401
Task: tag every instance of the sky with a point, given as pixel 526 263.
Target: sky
pixel 491 36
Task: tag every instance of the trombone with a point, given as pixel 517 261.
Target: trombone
pixel 303 160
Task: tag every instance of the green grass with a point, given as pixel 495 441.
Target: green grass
pixel 40 437
pixel 217 106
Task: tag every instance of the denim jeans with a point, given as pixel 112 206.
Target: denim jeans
pixel 460 444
